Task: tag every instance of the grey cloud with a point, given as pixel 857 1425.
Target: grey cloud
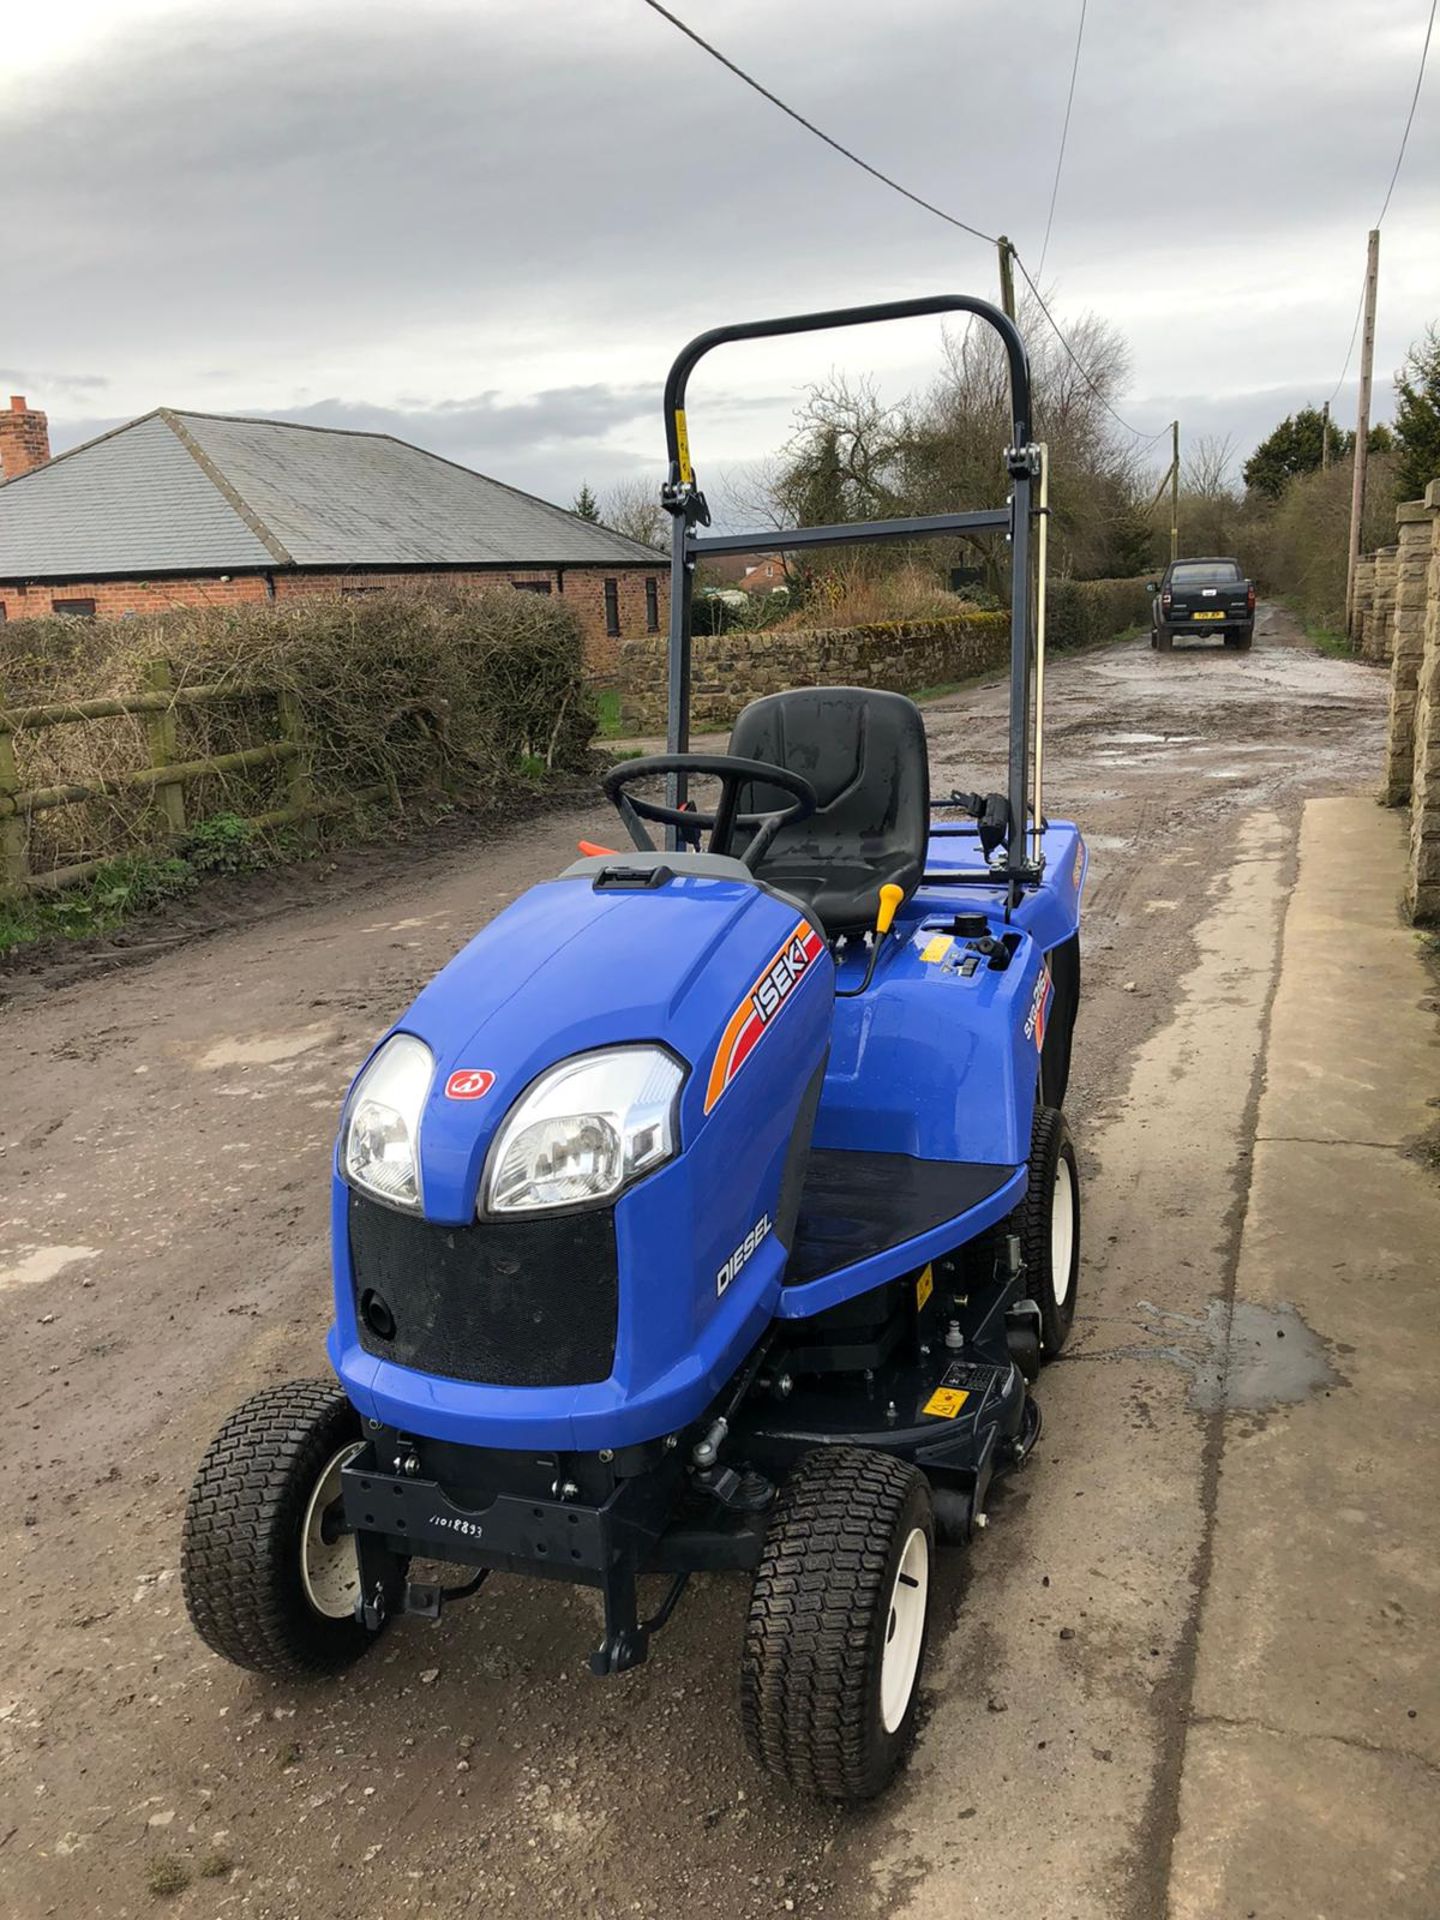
pixel 554 182
pixel 547 444
pixel 49 380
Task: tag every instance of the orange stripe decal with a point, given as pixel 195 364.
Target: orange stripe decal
pixel 768 996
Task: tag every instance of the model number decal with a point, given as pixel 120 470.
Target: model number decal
pixel 767 997
pixel 742 1253
pixel 1039 1007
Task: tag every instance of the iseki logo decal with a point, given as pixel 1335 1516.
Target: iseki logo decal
pixel 1040 1008
pixel 469 1083
pixel 741 1254
pixel 766 998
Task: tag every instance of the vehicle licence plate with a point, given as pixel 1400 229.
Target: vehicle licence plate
pixel 1207 616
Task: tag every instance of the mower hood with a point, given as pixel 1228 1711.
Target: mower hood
pixel 574 966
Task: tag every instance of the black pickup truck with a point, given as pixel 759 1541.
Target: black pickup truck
pixel 1201 597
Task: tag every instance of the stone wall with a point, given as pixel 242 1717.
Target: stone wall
pixel 1402 624
pixel 728 670
pixel 1412 570
pixel 1364 603
pixel 1379 638
pixel 1422 889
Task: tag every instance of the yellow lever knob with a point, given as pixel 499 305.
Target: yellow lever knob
pixel 890 898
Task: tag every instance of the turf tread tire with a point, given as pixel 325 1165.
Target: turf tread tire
pixel 240 1549
pixel 1049 1141
pixel 819 1610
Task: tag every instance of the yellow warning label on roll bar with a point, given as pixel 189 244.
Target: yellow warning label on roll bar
pixel 682 448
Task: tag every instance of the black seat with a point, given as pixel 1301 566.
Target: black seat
pixel 864 753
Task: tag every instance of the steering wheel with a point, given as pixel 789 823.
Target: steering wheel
pixel 722 825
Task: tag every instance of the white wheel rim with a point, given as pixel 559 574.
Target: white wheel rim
pixel 1062 1230
pixel 329 1569
pixel 904 1630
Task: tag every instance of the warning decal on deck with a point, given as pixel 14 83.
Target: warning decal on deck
pixel 946 1402
pixel 924 1287
pixel 936 949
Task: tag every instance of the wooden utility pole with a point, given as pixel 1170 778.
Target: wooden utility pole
pixel 1174 490
pixel 1007 276
pixel 1362 426
pixel 1325 437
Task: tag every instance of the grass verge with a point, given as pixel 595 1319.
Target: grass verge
pixel 133 884
pixel 1324 640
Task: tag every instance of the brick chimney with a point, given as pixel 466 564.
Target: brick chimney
pixel 24 439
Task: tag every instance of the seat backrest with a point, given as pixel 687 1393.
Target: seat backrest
pixel 863 751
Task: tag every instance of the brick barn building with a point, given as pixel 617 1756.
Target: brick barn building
pixel 179 509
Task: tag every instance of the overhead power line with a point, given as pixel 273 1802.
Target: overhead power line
pixel 1350 350
pixel 1410 117
pixel 1079 364
pixel 819 133
pixel 1389 191
pixel 928 206
pixel 1064 136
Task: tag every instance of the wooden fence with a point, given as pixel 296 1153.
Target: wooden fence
pixel 166 776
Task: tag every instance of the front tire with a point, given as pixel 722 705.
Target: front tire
pixel 269 1582
pixel 839 1617
pixel 1048 1221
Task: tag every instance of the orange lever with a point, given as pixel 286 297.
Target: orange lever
pixel 589 847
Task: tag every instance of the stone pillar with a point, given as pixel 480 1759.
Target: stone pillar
pixel 1412 571
pixel 1364 602
pixel 1380 631
pixel 1422 885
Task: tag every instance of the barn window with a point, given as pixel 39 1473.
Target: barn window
pixel 531 586
pixel 77 609
pixel 612 606
pixel 652 606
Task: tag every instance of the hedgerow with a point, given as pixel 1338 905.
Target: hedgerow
pixel 427 699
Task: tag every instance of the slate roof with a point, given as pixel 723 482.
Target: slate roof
pixel 180 492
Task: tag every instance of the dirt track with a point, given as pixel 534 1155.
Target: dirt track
pixel 163 1193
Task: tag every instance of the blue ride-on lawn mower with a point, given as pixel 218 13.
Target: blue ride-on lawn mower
pixel 713 1210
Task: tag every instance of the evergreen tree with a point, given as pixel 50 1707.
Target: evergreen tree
pixel 1294 447
pixel 586 505
pixel 1417 417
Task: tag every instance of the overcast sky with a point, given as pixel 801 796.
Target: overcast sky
pixel 486 227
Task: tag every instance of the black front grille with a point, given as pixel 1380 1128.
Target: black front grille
pixel 515 1303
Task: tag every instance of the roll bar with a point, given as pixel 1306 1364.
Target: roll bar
pixel 687 507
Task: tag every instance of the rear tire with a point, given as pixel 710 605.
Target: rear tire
pixel 1048 1222
pixel 268 1583
pixel 839 1617
pixel 1240 641
pixel 1164 640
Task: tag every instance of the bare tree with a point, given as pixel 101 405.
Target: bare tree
pixel 632 507
pixel 852 456
pixel 1208 468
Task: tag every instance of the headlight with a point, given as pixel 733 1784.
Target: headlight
pixel 380 1139
pixel 585 1129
